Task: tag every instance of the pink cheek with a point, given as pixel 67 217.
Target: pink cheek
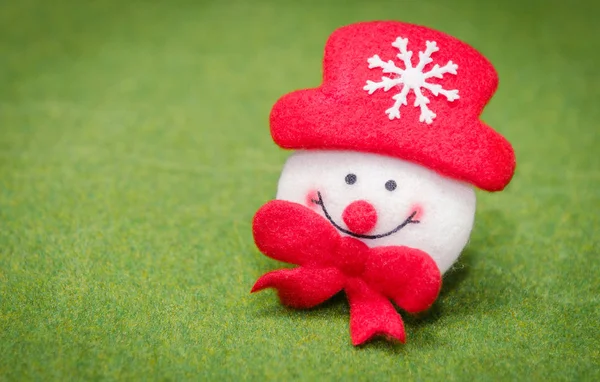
pixel 418 208
pixel 311 196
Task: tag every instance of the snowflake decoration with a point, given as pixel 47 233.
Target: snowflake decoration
pixel 412 79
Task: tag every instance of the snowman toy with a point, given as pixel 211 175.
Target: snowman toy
pixel 378 200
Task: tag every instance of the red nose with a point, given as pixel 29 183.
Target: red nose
pixel 360 216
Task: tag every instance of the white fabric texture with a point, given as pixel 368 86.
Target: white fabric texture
pixel 445 208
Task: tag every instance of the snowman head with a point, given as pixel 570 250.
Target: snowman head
pixel 391 146
pixel 383 201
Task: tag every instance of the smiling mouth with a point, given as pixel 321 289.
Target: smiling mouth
pixel 360 236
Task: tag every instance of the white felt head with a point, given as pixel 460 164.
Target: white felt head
pixel 443 207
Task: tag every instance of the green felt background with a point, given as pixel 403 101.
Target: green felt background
pixel 134 150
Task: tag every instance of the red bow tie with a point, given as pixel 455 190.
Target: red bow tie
pixel 329 263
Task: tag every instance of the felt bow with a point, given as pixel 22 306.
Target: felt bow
pixel 329 263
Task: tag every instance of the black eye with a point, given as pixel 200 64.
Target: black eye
pixel 350 178
pixel 390 185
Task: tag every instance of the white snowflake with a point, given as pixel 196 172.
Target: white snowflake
pixel 412 79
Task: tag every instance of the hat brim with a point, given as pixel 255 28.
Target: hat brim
pixel 464 149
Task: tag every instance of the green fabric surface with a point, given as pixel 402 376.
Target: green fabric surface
pixel 134 151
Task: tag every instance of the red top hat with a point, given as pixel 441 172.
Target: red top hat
pixel 404 91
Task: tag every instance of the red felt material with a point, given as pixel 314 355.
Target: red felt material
pixel 284 232
pixel 341 115
pixel 350 256
pixel 360 216
pixel 406 275
pixel 328 263
pixel 371 314
pixel 303 287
